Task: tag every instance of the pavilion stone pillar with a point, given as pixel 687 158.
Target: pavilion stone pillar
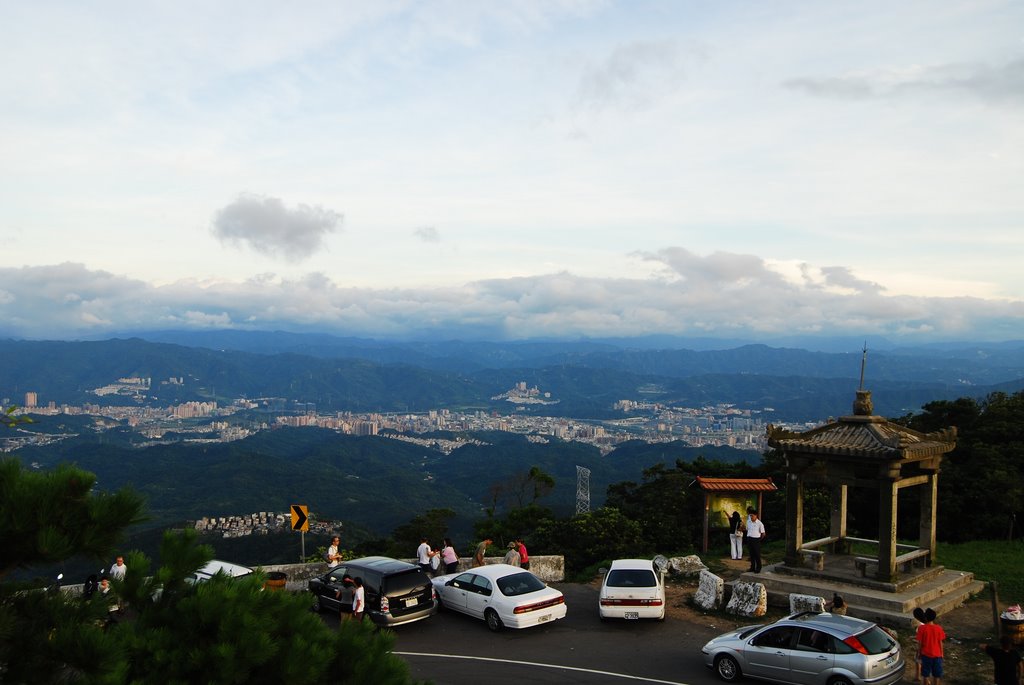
pixel 837 525
pixel 887 504
pixel 794 518
pixel 929 505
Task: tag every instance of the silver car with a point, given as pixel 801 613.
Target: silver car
pixel 810 649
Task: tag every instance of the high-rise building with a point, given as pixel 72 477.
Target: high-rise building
pixel 30 399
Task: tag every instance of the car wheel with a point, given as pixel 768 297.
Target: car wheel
pixel 840 680
pixel 727 668
pixel 493 620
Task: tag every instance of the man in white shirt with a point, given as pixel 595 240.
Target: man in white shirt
pixel 333 555
pixel 423 554
pixel 118 569
pixel 755 533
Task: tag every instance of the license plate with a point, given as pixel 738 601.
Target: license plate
pixel 545 617
pixel 412 602
pixel 891 659
pixel 632 614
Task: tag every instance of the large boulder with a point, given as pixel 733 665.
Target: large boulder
pixel 748 599
pixel 799 603
pixel 710 591
pixel 687 566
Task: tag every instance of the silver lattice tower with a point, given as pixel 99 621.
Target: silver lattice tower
pixel 582 490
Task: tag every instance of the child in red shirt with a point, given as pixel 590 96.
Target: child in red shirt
pixel 929 644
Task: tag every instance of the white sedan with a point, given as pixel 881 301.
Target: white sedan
pixel 633 588
pixel 502 595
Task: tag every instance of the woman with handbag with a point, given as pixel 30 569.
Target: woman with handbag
pixel 736 530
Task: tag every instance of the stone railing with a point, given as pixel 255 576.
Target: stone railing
pixel 549 568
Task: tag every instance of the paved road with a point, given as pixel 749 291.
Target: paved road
pixel 451 649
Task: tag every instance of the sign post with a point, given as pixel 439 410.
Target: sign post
pixel 300 521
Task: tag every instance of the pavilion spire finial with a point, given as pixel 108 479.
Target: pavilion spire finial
pixel 862 405
pixel 863 363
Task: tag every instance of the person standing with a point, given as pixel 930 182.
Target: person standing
pixel 117 571
pixel 930 636
pixel 512 555
pixel 735 536
pixel 358 600
pixel 755 533
pixel 524 556
pixel 450 558
pixel 1009 667
pixel 423 555
pixel 333 555
pixel 481 550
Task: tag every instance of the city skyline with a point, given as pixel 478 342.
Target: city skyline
pixel 535 169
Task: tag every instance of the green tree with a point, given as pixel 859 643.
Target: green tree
pixel 987 466
pixel 49 516
pixel 432 525
pixel 586 539
pixel 231 630
pixel 173 631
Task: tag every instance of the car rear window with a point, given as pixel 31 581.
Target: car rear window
pixel 631 578
pixel 405 582
pixel 876 640
pixel 519 584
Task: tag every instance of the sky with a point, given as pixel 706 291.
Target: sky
pixel 513 170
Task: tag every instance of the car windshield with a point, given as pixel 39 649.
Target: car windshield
pixel 631 578
pixel 519 584
pixel 876 640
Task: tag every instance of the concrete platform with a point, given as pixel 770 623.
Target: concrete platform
pixel 889 604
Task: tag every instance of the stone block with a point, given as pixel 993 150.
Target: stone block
pixel 799 603
pixel 687 566
pixel 710 591
pixel 748 599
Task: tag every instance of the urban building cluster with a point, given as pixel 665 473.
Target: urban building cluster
pixel 719 425
pixel 258 523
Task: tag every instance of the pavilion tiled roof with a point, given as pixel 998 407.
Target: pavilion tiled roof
pixel 736 484
pixel 864 436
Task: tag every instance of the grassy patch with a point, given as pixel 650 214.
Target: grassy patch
pixel 1000 561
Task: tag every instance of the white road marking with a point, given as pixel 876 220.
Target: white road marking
pixel 540 665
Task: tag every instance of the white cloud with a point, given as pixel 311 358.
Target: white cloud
pixel 996 84
pixel 721 294
pixel 428 234
pixel 266 225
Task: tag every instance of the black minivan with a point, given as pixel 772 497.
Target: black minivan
pixel 396 592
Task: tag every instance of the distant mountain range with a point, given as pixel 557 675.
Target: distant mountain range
pixel 586 377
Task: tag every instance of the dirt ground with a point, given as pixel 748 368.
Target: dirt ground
pixel 966 628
